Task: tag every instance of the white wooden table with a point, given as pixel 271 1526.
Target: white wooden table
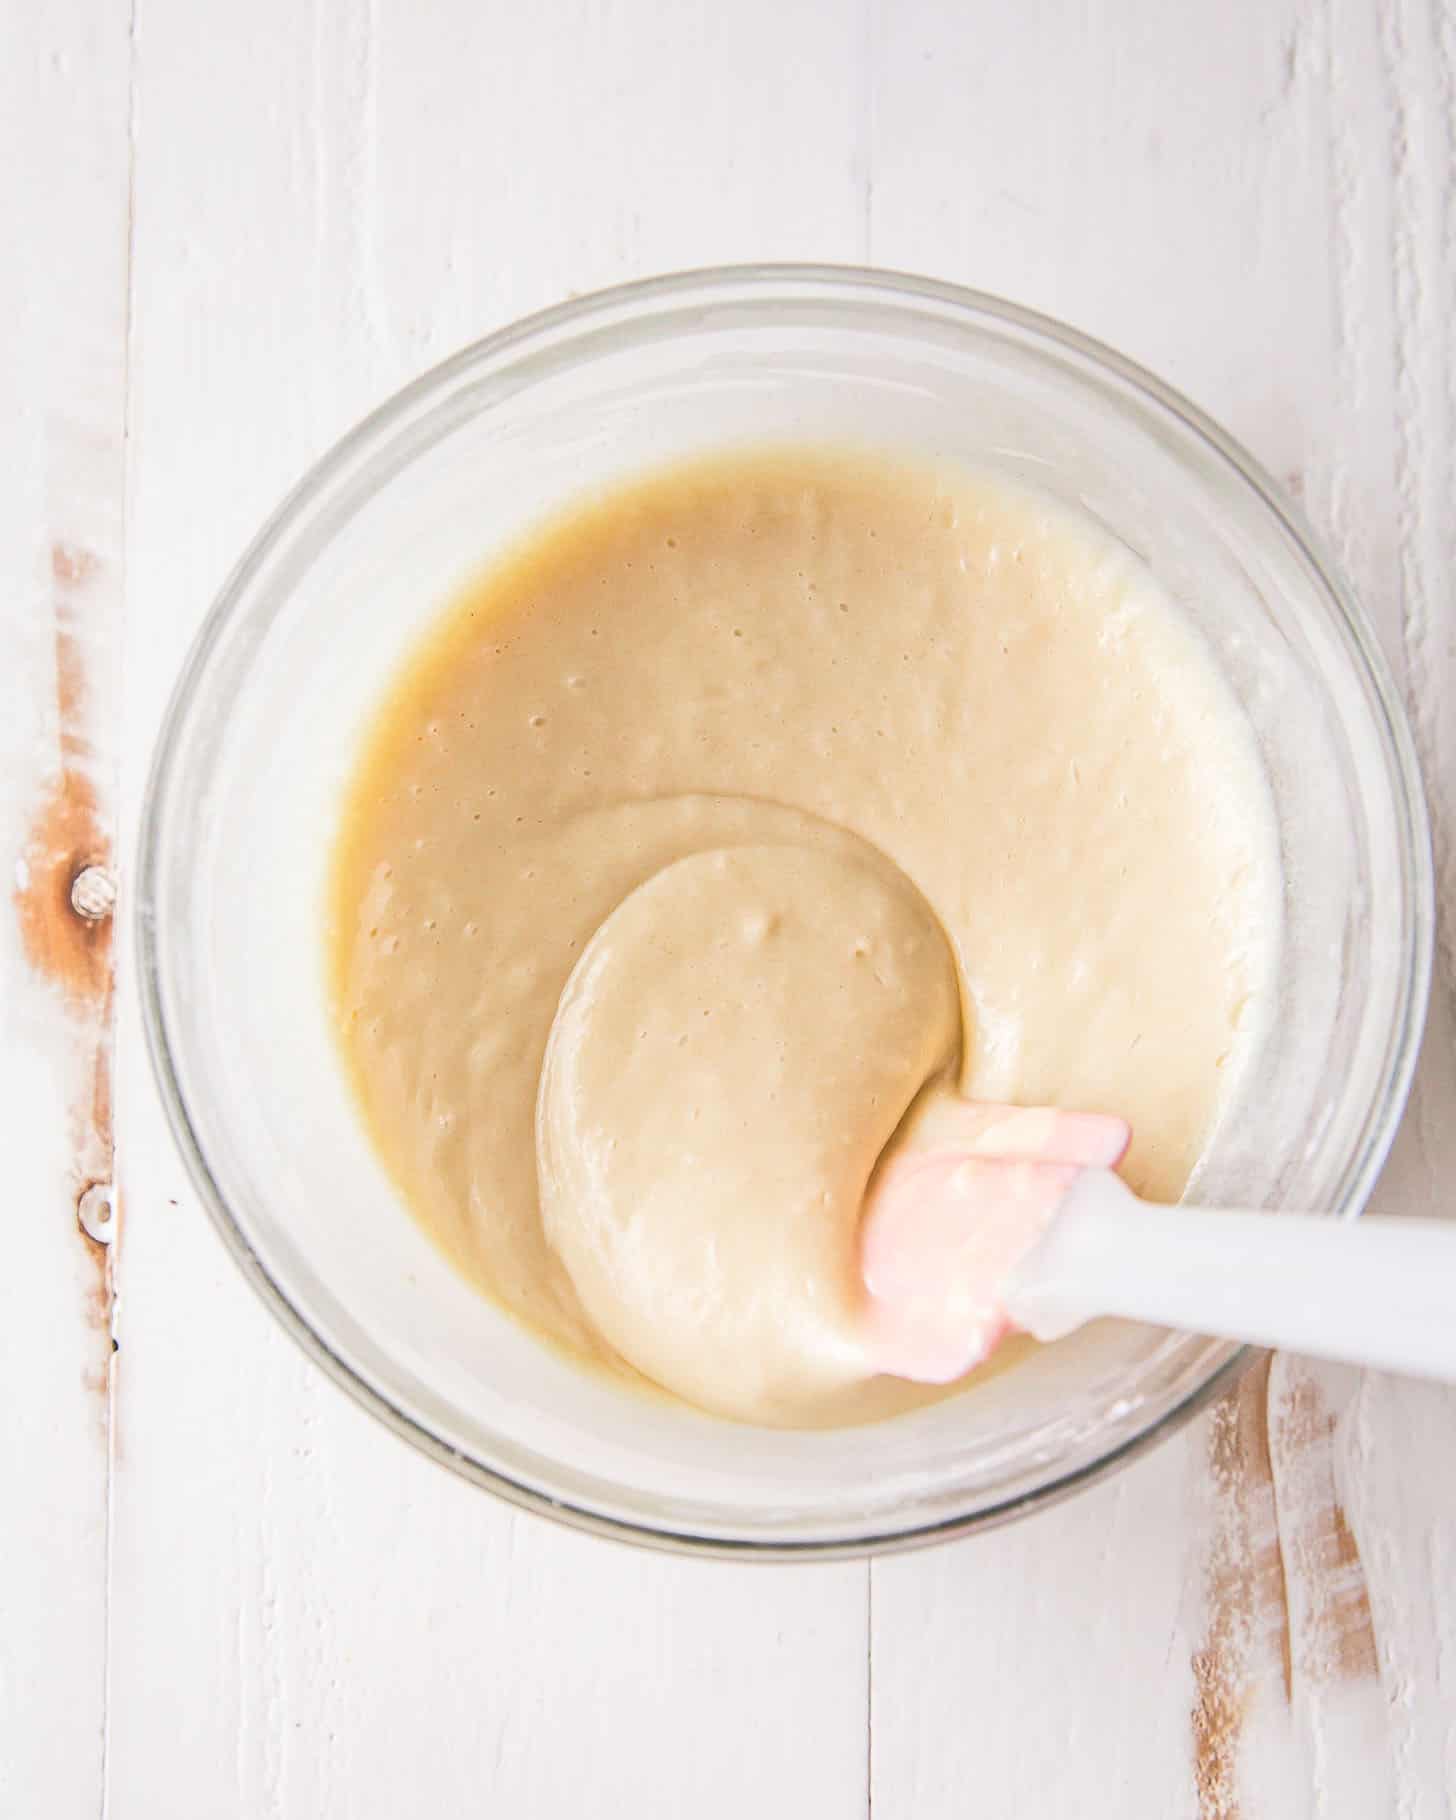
pixel 229 229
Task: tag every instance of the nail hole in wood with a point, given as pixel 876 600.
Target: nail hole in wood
pixel 96 1212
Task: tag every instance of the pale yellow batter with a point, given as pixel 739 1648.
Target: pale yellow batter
pixel 843 776
pixel 733 1052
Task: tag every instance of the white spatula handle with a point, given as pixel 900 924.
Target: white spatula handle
pixel 1381 1292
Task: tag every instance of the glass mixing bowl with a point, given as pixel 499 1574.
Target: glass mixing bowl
pixel 267 717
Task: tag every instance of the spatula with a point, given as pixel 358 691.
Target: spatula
pixel 1017 1221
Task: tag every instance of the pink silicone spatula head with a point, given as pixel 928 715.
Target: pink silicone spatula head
pixel 1016 1220
pixel 944 1228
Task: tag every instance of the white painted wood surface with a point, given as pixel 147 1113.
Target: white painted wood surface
pixel 231 230
pixel 64 181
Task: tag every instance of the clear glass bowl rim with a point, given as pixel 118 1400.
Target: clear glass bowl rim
pixel 553 340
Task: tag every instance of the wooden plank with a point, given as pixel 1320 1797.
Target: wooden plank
pixel 1257 202
pixel 1390 492
pixel 307 1617
pixel 64 88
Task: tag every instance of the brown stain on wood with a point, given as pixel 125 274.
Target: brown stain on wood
pixel 1338 1641
pixel 1249 1646
pixel 71 952
pixel 1246 1645
pixel 66 833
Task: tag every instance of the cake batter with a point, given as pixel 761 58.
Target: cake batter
pixel 854 781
